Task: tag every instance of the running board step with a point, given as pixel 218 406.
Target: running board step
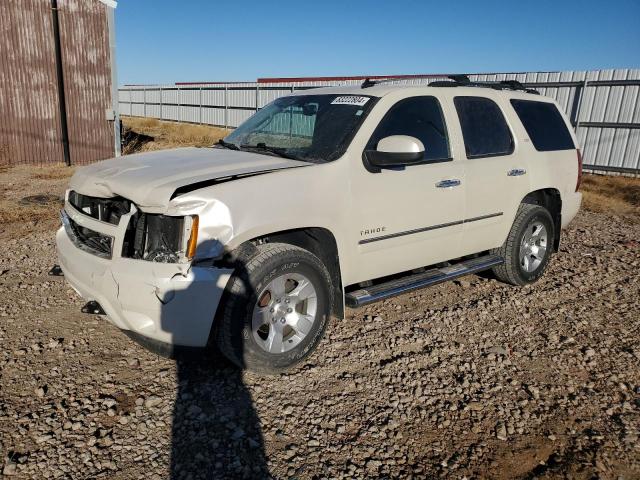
pixel 365 296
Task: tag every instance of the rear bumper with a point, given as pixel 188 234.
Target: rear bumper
pixel 166 304
pixel 570 206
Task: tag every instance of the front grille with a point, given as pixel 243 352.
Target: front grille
pixel 104 209
pixel 86 239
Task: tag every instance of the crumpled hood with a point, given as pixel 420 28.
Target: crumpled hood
pixel 149 179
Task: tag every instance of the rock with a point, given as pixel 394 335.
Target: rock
pixel 501 432
pixel 498 350
pixel 287 410
pixel 373 465
pixel 152 401
pixel 133 363
pixel 534 392
pixel 9 469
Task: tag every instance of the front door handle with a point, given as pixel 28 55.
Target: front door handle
pixel 454 182
pixel 516 172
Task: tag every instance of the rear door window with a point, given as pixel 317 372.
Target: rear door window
pixel 544 125
pixel 484 129
pixel 419 117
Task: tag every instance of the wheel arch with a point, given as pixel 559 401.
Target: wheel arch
pixel 319 241
pixel 550 199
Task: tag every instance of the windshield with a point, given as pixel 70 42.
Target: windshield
pixel 314 128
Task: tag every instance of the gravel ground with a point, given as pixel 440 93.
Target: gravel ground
pixel 465 380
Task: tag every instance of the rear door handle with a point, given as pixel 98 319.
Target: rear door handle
pixel 516 172
pixel 454 182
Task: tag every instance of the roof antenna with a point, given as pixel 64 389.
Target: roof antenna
pixel 367 83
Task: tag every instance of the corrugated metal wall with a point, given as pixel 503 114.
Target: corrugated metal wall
pixel 30 130
pixel 604 106
pixel 87 75
pixel 30 126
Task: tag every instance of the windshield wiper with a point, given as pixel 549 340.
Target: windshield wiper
pixel 229 145
pixel 278 151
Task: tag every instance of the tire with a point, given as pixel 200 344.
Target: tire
pixel 254 290
pixel 524 259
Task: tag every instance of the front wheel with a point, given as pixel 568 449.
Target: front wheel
pixel 528 247
pixel 275 309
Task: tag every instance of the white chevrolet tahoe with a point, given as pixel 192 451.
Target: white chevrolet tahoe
pixel 323 198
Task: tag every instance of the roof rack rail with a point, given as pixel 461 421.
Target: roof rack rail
pixel 463 81
pixel 370 83
pixel 458 80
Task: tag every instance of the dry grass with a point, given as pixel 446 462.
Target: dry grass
pixel 18 218
pixel 151 134
pixel 612 194
pixel 15 212
pixel 53 172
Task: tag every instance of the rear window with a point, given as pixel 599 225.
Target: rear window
pixel 484 129
pixel 544 124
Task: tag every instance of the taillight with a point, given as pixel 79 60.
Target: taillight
pixel 579 170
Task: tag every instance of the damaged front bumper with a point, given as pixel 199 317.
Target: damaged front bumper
pixel 171 304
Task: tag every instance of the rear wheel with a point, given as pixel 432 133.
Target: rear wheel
pixel 275 309
pixel 528 247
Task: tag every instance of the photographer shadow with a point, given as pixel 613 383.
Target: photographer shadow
pixel 216 432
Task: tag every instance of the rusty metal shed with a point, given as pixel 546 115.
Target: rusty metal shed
pixel 58 89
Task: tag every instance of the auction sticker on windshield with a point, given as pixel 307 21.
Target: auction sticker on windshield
pixel 350 100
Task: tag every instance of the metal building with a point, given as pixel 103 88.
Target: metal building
pixel 58 89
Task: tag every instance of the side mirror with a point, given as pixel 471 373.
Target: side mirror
pixel 396 151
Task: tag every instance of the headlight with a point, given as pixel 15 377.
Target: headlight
pixel 161 238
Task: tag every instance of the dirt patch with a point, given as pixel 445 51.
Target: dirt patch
pixel 146 134
pixel 43 199
pixel 30 198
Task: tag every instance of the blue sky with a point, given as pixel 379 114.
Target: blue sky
pixel 162 41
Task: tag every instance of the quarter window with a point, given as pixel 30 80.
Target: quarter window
pixel 484 129
pixel 419 117
pixel 544 125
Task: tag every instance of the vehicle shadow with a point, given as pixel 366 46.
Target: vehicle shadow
pixel 216 432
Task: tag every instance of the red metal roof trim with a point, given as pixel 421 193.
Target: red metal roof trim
pixel 338 79
pixel 207 83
